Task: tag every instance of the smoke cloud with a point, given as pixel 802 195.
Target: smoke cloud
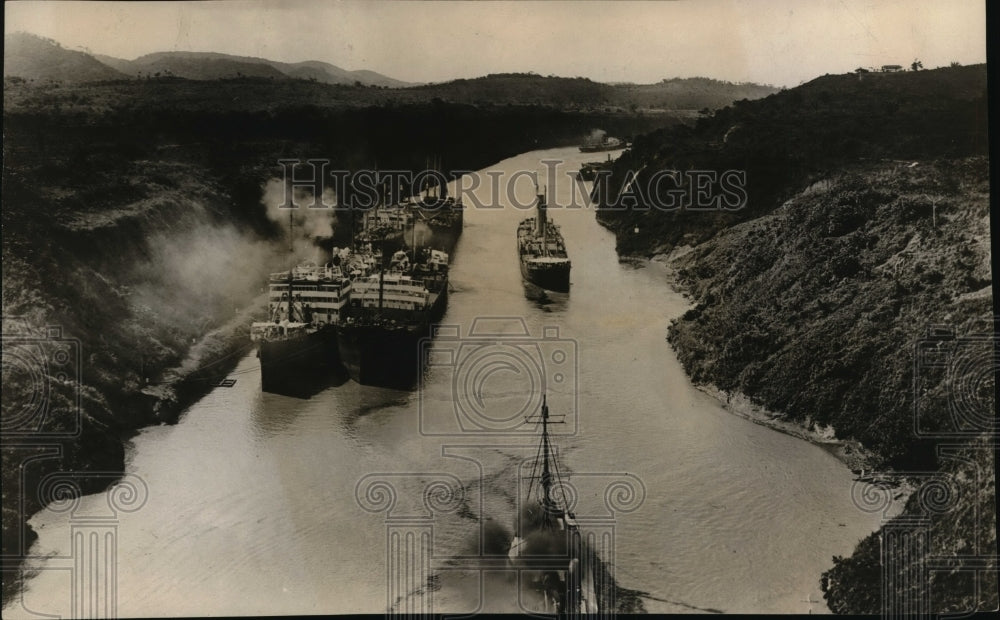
pixel 309 226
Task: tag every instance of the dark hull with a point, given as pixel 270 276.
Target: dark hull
pixel 444 238
pixel 601 147
pixel 550 277
pixel 385 356
pixel 390 242
pixel 380 356
pixel 598 149
pixel 445 228
pixel 296 364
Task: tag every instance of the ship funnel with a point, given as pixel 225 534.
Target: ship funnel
pixel 540 220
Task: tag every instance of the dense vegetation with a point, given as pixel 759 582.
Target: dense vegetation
pixel 814 308
pixel 789 139
pixel 866 224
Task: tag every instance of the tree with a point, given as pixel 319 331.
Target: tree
pixel 916 65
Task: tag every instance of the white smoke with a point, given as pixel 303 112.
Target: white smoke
pixel 309 225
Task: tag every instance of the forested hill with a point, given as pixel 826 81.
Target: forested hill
pixel 785 140
pixel 582 93
pixel 863 240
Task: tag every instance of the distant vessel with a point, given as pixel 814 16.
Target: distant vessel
pixel 547 539
pixel 385 227
pixel 443 215
pixel 542 252
pixel 445 219
pixel 390 311
pixel 606 143
pixel 298 341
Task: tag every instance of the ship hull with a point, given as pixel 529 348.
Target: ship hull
pixel 551 277
pixel 573 587
pixel 598 149
pixel 383 356
pixel 445 228
pixel 445 236
pixel 295 364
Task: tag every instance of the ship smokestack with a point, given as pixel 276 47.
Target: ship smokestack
pixel 540 220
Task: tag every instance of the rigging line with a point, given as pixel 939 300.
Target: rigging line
pixel 534 468
pixel 562 488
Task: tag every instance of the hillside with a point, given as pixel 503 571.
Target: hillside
pixel 690 93
pixel 865 231
pixel 29 56
pixel 43 73
pixel 201 66
pixel 214 66
pixel 814 308
pixel 582 93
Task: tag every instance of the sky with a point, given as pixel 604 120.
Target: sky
pixel 778 42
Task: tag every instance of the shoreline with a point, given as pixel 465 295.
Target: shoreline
pixel 850 452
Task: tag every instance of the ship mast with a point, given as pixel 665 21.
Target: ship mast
pixel 381 276
pixel 427 183
pixel 541 223
pixel 547 504
pixel 545 224
pixel 291 267
pixel 414 240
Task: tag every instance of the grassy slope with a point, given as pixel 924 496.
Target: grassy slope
pixel 811 300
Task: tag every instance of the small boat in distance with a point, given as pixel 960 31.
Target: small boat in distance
pixel 547 542
pixel 542 252
pixel 605 143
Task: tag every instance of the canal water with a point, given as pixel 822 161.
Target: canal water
pixel 266 504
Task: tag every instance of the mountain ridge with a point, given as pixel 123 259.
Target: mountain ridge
pixel 30 56
pixel 40 59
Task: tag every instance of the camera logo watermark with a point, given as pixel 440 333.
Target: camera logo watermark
pixel 955 375
pixel 953 401
pixel 41 378
pixel 534 535
pixel 42 416
pixel 497 373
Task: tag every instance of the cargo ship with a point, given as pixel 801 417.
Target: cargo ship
pixel 541 250
pixel 605 143
pixel 547 542
pixel 298 342
pixel 389 313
